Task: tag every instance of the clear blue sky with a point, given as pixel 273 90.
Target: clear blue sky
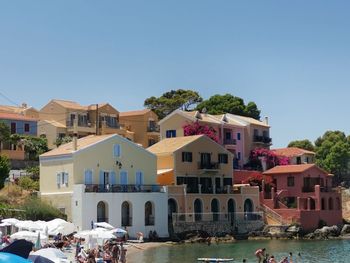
pixel 291 57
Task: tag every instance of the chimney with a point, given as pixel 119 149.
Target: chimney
pixel 266 121
pixel 24 105
pixel 75 133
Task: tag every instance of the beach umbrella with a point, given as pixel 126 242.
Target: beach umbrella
pixel 59 225
pixel 103 225
pixel 8 257
pixel 119 232
pixel 20 248
pixel 5 224
pixel 28 235
pixel 12 221
pixel 29 225
pixel 38 242
pixel 53 254
pixel 39 259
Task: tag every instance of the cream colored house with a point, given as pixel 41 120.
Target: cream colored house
pixel 57 117
pixel 236 133
pixel 105 178
pixel 198 173
pixel 144 125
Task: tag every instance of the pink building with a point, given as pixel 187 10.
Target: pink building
pixel 302 194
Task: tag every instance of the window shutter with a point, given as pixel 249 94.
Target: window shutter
pixel 113 177
pixel 87 176
pixel 116 150
pixel 123 178
pixel 65 178
pixel 58 178
pixel 101 179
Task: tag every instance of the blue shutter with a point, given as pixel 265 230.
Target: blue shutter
pixel 101 179
pixel 139 178
pixel 90 177
pixel 116 150
pixel 58 179
pixel 123 178
pixel 86 177
pixel 238 136
pixel 113 178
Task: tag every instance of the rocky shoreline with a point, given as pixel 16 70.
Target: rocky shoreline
pixel 269 232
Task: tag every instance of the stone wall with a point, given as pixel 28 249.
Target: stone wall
pixel 22 164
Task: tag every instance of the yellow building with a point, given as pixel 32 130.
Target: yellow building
pixel 199 176
pixel 57 117
pixel 144 125
pixel 105 178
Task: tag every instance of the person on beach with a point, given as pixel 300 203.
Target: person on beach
pixel 122 257
pixel 284 260
pixel 115 253
pixel 272 259
pixel 260 254
pixel 290 257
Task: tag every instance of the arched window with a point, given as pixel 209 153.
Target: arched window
pixel 102 212
pixel 172 208
pixel 126 214
pixel 198 209
pixel 330 203
pixel 231 209
pixel 149 214
pixel 215 209
pixel 248 209
pixel 323 204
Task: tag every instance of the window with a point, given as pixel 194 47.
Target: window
pixel 238 136
pixel 187 157
pixel 290 181
pixel 139 178
pixel 298 160
pixel 151 142
pixel 116 150
pixel 62 179
pixel 13 127
pixel 256 132
pixel 239 155
pixel 88 176
pixel 228 136
pixel 307 159
pixel 265 134
pixel 170 133
pixel 223 158
pixel 26 127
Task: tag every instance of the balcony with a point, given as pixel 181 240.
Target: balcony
pixel 230 142
pixel 119 188
pixel 308 189
pixel 208 166
pixel 70 124
pixel 262 139
pixel 153 128
pixel 234 217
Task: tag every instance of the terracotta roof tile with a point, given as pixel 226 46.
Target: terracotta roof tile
pixel 14 116
pixel 291 151
pixel 133 113
pixel 70 104
pixel 283 169
pixel 170 145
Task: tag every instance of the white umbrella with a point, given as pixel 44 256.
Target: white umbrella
pixel 12 221
pixel 104 225
pixel 51 253
pixel 119 231
pixel 29 225
pixel 29 236
pixel 5 224
pixel 58 225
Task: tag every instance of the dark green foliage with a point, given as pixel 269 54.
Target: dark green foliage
pixel 28 184
pixel 219 104
pixel 33 172
pixel 303 144
pixel 35 209
pixel 4 132
pixel 4 169
pixel 34 146
pixel 173 100
pixel 63 140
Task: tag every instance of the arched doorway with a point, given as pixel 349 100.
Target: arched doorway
pixel 248 209
pixel 172 208
pixel 102 212
pixel 149 214
pixel 323 204
pixel 215 209
pixel 198 209
pixel 231 209
pixel 126 214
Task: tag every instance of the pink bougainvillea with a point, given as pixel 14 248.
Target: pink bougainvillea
pixel 197 129
pixel 260 155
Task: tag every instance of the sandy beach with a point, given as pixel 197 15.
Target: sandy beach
pixel 134 248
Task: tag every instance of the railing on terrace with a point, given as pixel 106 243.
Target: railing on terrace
pixel 271 213
pixel 202 189
pixel 208 166
pixel 153 129
pixel 308 189
pixel 119 188
pixel 230 141
pixel 262 139
pixel 216 217
pixel 70 123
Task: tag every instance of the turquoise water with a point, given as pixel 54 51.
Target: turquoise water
pixel 311 251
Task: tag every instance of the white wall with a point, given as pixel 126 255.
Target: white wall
pixel 85 210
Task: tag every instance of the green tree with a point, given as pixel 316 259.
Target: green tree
pixel 4 132
pixel 34 146
pixel 62 140
pixel 303 144
pixel 219 104
pixel 4 169
pixel 333 154
pixel 173 100
pixel 33 172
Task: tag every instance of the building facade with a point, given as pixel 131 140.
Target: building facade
pixel 302 194
pixel 296 155
pixel 144 125
pixel 198 175
pixel 105 178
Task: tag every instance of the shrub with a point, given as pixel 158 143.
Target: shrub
pixel 28 184
pixel 36 209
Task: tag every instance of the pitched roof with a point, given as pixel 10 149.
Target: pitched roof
pixel 81 144
pixel 170 145
pixel 247 119
pixel 291 151
pixel 70 104
pixel 14 116
pixel 288 169
pixel 133 113
pixel 14 109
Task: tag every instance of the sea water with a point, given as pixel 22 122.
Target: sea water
pixel 310 251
